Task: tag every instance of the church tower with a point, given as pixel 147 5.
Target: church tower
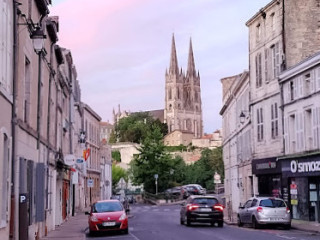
pixel 182 96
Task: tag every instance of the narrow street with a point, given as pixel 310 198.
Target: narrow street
pixel 162 222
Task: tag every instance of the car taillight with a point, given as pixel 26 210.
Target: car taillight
pixel 288 210
pixel 259 209
pixel 192 207
pixel 218 207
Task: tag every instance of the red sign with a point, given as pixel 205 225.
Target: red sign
pixel 86 154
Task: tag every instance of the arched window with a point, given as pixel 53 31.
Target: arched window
pixel 170 93
pixel 170 107
pixel 178 93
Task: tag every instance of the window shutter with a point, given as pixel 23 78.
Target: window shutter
pixel 317 79
pixel 315 128
pixel 286 135
pixel 312 81
pixel 40 189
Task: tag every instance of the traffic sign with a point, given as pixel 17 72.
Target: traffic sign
pixel 90 183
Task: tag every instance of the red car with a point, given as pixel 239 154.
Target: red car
pixel 107 215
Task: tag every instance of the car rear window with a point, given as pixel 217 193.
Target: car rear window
pixel 205 201
pixel 107 207
pixel 272 203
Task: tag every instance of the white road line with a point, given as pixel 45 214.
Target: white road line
pixel 285 237
pixel 134 236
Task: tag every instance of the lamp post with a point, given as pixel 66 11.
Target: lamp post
pixel 38 37
pixel 156 182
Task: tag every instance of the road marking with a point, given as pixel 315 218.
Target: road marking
pixel 285 237
pixel 134 236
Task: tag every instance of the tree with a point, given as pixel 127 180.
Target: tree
pixel 153 159
pixel 202 171
pixel 135 127
pixel 117 174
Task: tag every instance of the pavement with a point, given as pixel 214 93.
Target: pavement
pixel 301 225
pixel 73 228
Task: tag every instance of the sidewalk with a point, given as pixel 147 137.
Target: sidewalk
pixel 73 228
pixel 295 224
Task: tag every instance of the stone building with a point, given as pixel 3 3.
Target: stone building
pixel 300 169
pixel 91 121
pixel 280 119
pixel 6 106
pixel 183 110
pixel 106 129
pixel 266 61
pixel 237 153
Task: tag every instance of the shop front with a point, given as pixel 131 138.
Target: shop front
pixel 268 173
pixel 302 176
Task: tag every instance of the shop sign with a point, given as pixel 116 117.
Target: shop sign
pixel 293 191
pixel 90 183
pixel 294 202
pixel 69 159
pixel 304 167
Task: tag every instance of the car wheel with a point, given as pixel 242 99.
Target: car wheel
pixel 287 226
pixel 91 233
pixel 220 224
pixel 255 224
pixel 240 224
pixel 126 231
pixel 188 222
pixel 181 221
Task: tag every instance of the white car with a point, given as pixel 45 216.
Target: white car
pixel 264 210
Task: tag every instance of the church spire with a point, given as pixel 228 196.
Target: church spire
pixel 191 71
pixel 173 59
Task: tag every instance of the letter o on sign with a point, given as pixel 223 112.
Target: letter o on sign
pixel 293 166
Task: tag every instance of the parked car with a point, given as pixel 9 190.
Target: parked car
pixel 107 215
pixel 264 210
pixel 203 209
pixel 192 189
pixel 173 191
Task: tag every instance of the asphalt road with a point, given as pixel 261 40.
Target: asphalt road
pixel 163 223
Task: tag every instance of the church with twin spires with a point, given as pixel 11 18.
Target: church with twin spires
pixel 183 110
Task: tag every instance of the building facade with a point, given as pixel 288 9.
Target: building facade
pixel 237 153
pixel 6 106
pixel 281 117
pixel 183 110
pixel 91 121
pixel 300 167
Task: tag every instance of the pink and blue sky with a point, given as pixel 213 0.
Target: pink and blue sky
pixel 121 48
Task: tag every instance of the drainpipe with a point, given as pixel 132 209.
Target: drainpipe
pixel 15 161
pixel 51 76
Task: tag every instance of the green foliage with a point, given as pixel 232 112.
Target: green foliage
pixel 154 159
pixel 117 174
pixel 180 148
pixel 136 126
pixel 116 156
pixel 202 171
pixel 113 137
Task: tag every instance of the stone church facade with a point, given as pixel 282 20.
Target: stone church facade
pixel 183 111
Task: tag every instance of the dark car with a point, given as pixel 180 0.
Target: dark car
pixel 192 189
pixel 202 209
pixel 107 215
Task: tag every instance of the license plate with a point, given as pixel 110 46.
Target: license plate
pixel 205 210
pixel 107 224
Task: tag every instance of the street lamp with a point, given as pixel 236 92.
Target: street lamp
pixel 242 117
pixel 38 37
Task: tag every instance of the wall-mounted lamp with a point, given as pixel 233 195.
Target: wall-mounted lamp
pixel 38 37
pixel 242 117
